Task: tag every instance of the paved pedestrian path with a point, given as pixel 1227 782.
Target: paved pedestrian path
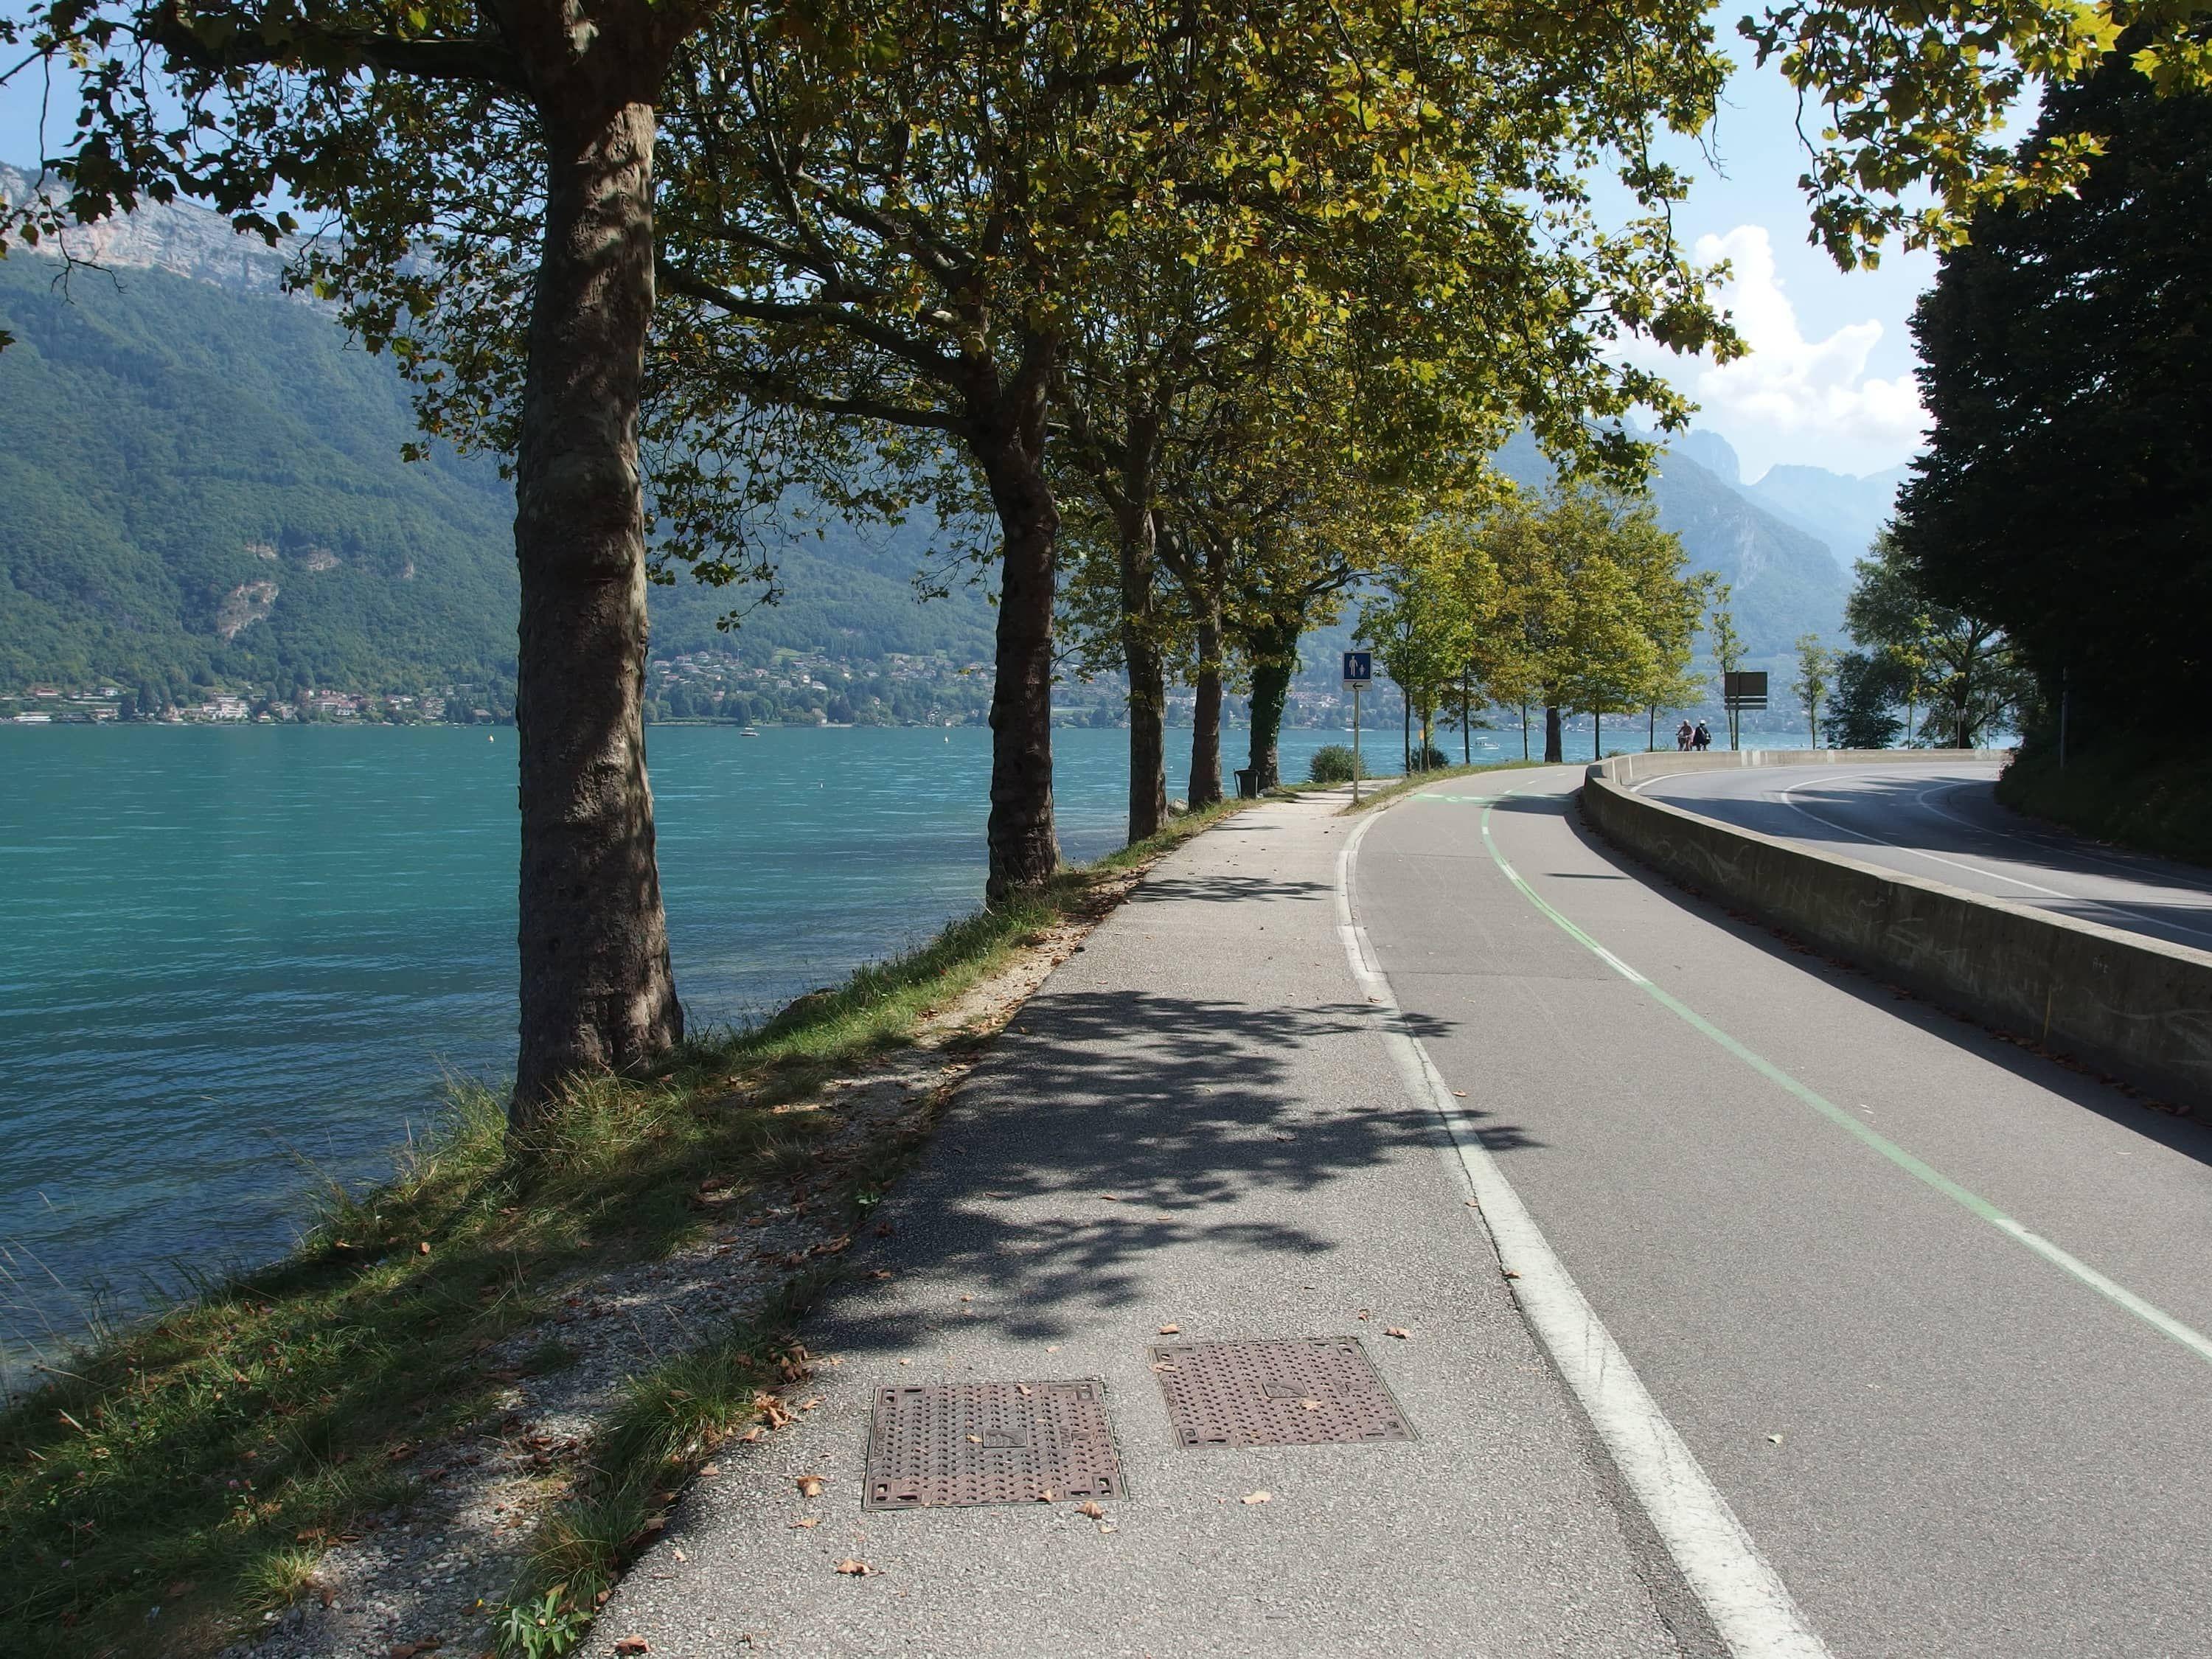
pixel 1198 1123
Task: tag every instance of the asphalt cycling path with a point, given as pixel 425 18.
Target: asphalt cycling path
pixel 1927 1312
pixel 1201 1123
pixel 1940 821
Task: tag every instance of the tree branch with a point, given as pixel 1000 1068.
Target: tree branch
pixel 932 364
pixel 480 60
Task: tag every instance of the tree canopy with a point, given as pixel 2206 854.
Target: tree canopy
pixel 2066 492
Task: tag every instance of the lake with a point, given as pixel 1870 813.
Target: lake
pixel 233 954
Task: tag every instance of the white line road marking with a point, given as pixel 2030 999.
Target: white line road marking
pixel 2142 912
pixel 1787 799
pixel 1750 1607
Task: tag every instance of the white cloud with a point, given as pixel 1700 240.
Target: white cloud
pixel 1791 398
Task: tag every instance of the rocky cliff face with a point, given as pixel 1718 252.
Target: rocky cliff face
pixel 180 239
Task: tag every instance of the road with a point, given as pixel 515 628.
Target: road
pixel 1736 1304
pixel 1924 1308
pixel 1940 821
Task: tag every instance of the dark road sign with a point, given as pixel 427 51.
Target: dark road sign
pixel 1358 668
pixel 1743 690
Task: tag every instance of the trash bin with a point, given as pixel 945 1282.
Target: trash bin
pixel 1247 783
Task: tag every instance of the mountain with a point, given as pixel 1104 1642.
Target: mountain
pixel 1847 513
pixel 1786 583
pixel 204 488
pixel 1713 452
pixel 1843 512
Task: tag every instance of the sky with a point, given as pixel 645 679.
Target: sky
pixel 1828 382
pixel 1828 378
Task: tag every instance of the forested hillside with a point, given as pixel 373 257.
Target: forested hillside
pixel 204 487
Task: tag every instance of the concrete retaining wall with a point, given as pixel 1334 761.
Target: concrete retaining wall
pixel 2138 1008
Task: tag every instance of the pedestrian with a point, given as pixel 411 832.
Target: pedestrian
pixel 1682 735
pixel 1702 738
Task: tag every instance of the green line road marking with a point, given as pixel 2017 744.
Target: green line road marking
pixel 1925 1173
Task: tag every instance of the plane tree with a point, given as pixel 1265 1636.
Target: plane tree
pixel 249 105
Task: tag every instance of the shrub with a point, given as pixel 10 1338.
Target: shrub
pixel 1333 763
pixel 1428 758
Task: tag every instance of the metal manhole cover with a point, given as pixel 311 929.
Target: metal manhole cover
pixel 951 1445
pixel 1298 1392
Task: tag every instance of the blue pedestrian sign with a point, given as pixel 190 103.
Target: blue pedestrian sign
pixel 1359 669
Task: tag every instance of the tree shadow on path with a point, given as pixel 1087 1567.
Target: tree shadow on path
pixel 1114 1126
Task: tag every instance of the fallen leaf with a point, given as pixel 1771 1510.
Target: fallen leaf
pixel 852 1569
pixel 632 1644
pixel 1462 1093
pixel 181 1589
pixel 1310 1405
pixel 1105 1526
pixel 1509 1273
pixel 751 1435
pixel 1111 1198
pixel 1257 1497
pixel 906 1362
pixel 881 1272
pixel 413 1649
pixel 976 1439
pixel 1052 1347
pixel 1089 1509
pixel 679 1555
pixel 1162 1365
pixel 809 1485
pixel 423 1248
pixel 806 1405
pixel 1025 1389
pixel 1046 1495
pixel 709 1471
pixel 1397 1331
pixel 967 1298
pixel 1170 1330
pixel 808 1521
pixel 1776 1438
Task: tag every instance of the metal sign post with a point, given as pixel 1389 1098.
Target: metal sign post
pixel 1358 670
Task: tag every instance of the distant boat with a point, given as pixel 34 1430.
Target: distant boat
pixel 748 732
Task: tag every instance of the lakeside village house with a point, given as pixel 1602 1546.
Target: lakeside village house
pixel 48 705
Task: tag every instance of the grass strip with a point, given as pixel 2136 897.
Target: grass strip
pixel 200 1462
pixel 1399 786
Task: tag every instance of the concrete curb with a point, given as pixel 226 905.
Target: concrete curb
pixel 2137 1008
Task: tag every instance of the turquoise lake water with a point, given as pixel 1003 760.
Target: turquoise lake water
pixel 223 951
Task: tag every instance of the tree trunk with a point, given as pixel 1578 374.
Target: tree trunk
pixel 596 992
pixel 1206 717
pixel 1140 650
pixel 1406 738
pixel 1271 664
pixel 1024 850
pixel 1554 747
pixel 1524 728
pixel 1466 720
